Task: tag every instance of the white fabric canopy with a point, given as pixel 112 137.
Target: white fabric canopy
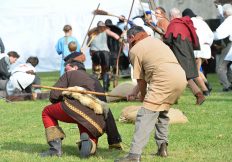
pixel 32 27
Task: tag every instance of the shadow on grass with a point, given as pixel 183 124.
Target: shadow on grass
pixel 68 150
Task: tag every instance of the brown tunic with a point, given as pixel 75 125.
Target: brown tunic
pixel 154 62
pixel 85 116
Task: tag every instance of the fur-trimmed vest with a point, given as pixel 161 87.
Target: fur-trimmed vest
pixel 85 116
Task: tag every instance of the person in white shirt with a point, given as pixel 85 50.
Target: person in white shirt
pixel 223 31
pixel 22 78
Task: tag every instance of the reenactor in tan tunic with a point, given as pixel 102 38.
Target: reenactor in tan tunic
pixel 161 81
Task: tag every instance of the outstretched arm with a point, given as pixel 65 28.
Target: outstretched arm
pixel 112 34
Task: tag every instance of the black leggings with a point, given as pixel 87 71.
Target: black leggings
pixel 101 58
pixel 111 129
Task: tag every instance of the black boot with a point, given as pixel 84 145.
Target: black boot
pixel 86 146
pixel 54 150
pixel 162 151
pixel 206 93
pixel 106 82
pixel 129 158
pixel 54 135
pixel 209 87
pixel 113 136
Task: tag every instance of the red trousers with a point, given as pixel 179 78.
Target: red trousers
pixel 54 113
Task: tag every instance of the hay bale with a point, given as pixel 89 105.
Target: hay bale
pixel 129 113
pixel 176 116
pixel 122 89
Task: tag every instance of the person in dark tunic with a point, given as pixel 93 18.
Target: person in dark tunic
pixel 69 110
pixel 181 37
pixel 114 47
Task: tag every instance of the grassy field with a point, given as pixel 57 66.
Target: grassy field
pixel 207 137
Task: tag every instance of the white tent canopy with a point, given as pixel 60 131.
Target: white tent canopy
pixel 32 27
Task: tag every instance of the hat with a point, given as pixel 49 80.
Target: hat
pixel 188 12
pixel 72 63
pixel 72 56
pixel 100 23
pixel 148 12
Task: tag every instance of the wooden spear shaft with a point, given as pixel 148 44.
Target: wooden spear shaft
pixel 78 91
pixel 152 4
pixel 89 27
pixel 142 8
pixel 121 46
pixel 85 92
pixel 92 38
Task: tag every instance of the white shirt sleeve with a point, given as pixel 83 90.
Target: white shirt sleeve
pixel 224 30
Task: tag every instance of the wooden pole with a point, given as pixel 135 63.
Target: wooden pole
pixel 92 38
pixel 121 46
pixel 78 91
pixel 89 27
pixel 143 9
pixel 152 4
pixel 86 92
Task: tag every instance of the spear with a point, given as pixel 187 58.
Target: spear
pixel 120 49
pixel 142 8
pixel 86 92
pixel 78 91
pixel 89 27
pixel 152 4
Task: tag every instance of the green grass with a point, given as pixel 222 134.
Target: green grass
pixel 206 137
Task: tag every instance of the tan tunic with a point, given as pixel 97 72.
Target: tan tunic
pixel 154 62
